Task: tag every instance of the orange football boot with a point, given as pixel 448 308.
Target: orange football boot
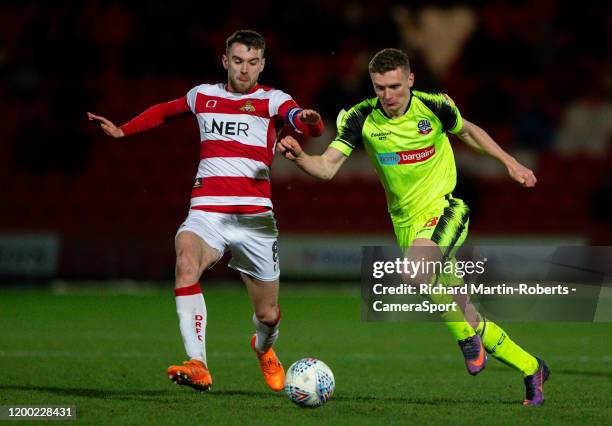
pixel 192 373
pixel 271 368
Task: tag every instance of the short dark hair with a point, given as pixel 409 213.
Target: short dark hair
pixel 388 60
pixel 250 38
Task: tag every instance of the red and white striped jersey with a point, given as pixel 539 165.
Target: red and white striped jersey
pixel 237 140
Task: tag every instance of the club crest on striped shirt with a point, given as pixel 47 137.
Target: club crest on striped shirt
pixel 424 127
pixel 247 107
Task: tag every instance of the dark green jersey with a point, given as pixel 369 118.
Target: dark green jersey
pixel 412 154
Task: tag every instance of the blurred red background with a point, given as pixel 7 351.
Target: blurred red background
pixel 535 77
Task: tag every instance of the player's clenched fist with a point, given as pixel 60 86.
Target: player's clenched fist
pixel 309 116
pixel 289 148
pixel 522 175
pixel 109 128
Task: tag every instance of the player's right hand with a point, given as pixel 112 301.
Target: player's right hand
pixel 289 148
pixel 109 128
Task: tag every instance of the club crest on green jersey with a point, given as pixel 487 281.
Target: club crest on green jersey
pixel 424 127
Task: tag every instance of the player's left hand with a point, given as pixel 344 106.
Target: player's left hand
pixel 522 175
pixel 309 116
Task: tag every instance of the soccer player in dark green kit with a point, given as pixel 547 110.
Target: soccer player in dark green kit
pixel 404 134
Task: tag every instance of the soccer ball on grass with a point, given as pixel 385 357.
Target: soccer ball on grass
pixel 309 382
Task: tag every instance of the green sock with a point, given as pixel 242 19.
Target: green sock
pixel 497 342
pixel 458 327
pixel 454 320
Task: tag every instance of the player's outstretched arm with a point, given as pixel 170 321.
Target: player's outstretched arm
pixel 152 117
pixel 324 166
pixel 480 140
pixel 106 125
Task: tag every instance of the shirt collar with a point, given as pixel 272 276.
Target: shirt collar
pixel 253 89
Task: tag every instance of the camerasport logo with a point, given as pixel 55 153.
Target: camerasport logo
pixel 424 127
pixel 406 157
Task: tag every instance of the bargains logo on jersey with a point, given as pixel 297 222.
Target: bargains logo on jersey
pixel 406 157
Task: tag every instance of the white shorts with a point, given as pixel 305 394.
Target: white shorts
pixel 251 238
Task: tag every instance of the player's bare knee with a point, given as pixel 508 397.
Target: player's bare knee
pixel 408 279
pixel 416 279
pixel 186 271
pixel 267 314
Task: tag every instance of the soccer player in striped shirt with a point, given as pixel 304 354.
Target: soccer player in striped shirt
pixel 230 200
pixel 404 134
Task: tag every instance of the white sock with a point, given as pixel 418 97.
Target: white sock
pixel 191 311
pixel 266 334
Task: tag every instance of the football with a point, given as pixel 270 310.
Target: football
pixel 309 382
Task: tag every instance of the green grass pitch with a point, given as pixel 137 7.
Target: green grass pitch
pixel 106 353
